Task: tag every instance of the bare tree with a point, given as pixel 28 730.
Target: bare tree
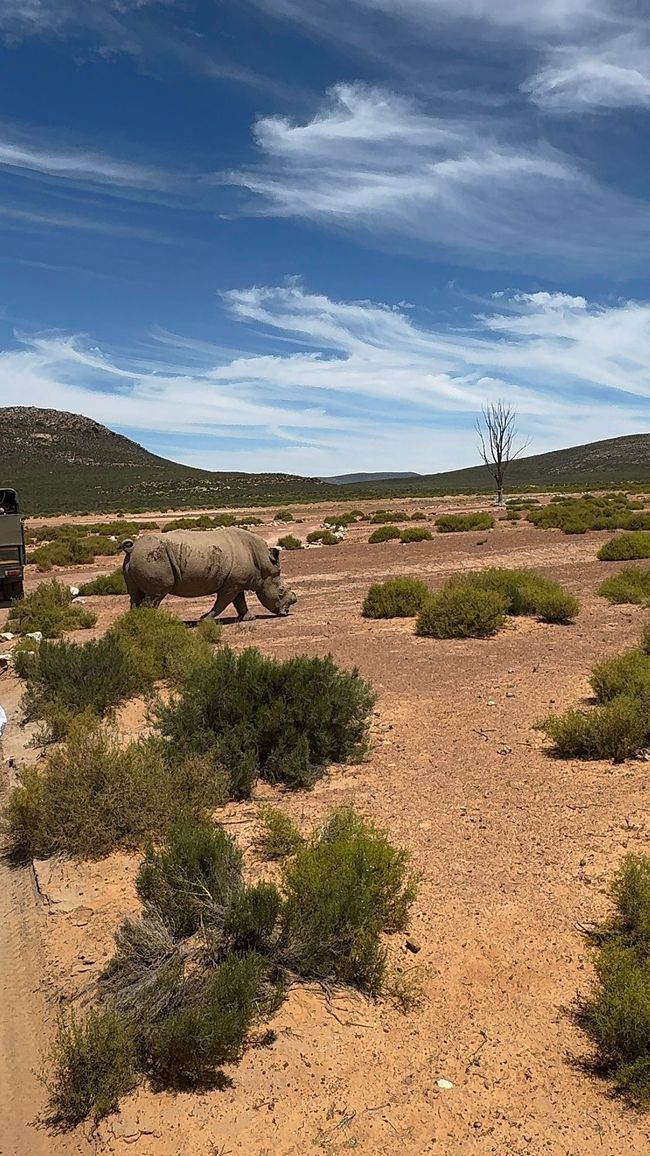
pixel 497 437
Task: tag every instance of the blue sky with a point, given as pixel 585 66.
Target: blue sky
pixel 318 235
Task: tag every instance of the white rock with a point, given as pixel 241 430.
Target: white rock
pixel 7 636
pixel 74 590
pixel 3 721
pixel 36 635
pixel 444 1084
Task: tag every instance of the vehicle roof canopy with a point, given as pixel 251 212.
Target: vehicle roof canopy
pixel 8 500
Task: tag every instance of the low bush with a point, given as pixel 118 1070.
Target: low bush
pixel 290 542
pixel 190 881
pixel 616 1013
pixel 284 516
pixel 94 1065
pixel 347 519
pixel 210 956
pixel 385 534
pixel 51 610
pixel 278 837
pixel 66 678
pixel 418 516
pixel 395 598
pixel 630 585
pixel 105 584
pixel 512 515
pixel 525 591
pixel 284 720
pixel 70 552
pixel 343 888
pixel 615 730
pixel 101 544
pixel 93 795
pixel 625 547
pixel 159 645
pixel 386 517
pixel 210 630
pixel 627 673
pixel 579 515
pixel 325 537
pixel 415 534
pixel 454 523
pixel 462 612
pixel 187 1047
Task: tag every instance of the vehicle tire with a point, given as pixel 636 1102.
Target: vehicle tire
pixel 16 590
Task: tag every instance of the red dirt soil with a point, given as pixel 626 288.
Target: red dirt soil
pixel 514 849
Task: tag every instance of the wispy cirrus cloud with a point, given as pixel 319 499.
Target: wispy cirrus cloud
pixel 592 77
pixel 82 166
pixel 378 164
pixel 361 383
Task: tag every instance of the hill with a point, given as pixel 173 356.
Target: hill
pixel 615 461
pixel 65 463
pixel 348 479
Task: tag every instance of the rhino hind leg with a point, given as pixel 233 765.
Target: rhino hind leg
pixel 242 609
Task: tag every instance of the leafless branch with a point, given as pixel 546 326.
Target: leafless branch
pixel 498 442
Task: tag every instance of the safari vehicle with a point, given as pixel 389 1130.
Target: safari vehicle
pixel 12 547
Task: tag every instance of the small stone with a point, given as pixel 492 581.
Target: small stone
pixel 504 750
pixel 510 694
pixel 446 1084
pixel 413 945
pixel 7 636
pixel 491 702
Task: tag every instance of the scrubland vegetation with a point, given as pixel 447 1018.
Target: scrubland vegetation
pixel 105 584
pixel 290 542
pixel 50 609
pixel 630 585
pixel 578 515
pixel 385 534
pixel 625 547
pixel 455 523
pixel 324 537
pixel 616 1012
pixel 619 725
pixel 396 598
pixel 77 545
pixel 210 956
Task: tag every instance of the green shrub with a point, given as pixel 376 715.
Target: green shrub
pixel 615 730
pixel 51 610
pixel 105 584
pixel 462 612
pixel 284 720
pixel 525 591
pixel 160 646
pixel 627 673
pixel 630 585
pixel 279 837
pixel 100 544
pixel 73 677
pixel 625 547
pixel 645 639
pixel 587 512
pixel 343 889
pixel 93 795
pixel 616 1013
pixel 72 552
pixel 325 537
pixel 209 630
pixel 512 515
pixel 290 542
pixel 386 517
pixel 93 1062
pixel 347 519
pixel 284 516
pixel 251 921
pixel 453 523
pixel 385 534
pixel 186 1048
pixel 418 516
pixel 250 520
pixel 416 534
pixel 190 881
pixel 395 598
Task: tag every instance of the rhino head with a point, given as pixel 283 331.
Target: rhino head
pixel 276 596
pixel 272 592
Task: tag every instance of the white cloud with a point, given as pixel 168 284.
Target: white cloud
pixel 378 164
pixel 585 78
pixel 80 166
pixel 365 386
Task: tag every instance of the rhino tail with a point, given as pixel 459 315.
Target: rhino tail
pixel 173 560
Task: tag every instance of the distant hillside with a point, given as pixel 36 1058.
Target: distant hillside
pixel 65 463
pixel 611 462
pixel 62 463
pixel 349 479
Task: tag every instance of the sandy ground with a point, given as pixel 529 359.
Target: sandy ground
pixel 514 849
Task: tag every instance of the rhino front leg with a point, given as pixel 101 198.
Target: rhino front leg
pixel 225 596
pixel 242 609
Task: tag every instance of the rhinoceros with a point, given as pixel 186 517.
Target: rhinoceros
pixel 192 563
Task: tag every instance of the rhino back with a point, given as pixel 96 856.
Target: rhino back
pixel 207 559
pixel 148 567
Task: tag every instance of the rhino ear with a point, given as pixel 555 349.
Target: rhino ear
pixel 274 554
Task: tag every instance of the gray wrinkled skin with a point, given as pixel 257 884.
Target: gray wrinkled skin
pixel 192 563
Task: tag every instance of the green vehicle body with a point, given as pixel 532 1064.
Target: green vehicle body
pixel 12 546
